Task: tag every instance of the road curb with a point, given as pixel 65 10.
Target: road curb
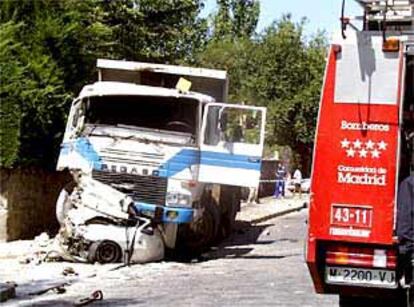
pixel 277 214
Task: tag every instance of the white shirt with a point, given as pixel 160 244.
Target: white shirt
pixel 297 176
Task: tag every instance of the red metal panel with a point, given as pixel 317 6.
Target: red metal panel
pixel 355 165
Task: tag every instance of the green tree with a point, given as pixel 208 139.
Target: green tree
pixel 160 31
pixel 288 80
pixel 48 48
pixel 32 96
pixel 11 74
pixel 49 51
pixel 280 69
pixel 236 19
pixel 232 56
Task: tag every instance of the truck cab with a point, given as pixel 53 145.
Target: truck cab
pixel 361 154
pixel 181 155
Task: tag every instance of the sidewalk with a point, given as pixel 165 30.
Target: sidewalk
pixel 270 207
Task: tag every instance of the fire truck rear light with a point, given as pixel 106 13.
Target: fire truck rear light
pixel 391 262
pixel 361 257
pixel 358 260
pixel 391 259
pixel 391 45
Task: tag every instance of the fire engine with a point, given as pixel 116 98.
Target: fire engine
pixel 362 152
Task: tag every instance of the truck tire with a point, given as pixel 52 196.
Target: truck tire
pixel 199 235
pixel 228 218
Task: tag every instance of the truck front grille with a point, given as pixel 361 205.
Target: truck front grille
pixel 148 189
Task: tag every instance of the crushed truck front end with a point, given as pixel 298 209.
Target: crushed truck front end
pixel 139 141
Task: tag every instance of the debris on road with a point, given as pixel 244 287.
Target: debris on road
pixel 69 271
pixel 95 296
pixel 57 288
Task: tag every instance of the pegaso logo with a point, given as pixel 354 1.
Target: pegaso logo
pixel 362 175
pixel 115 168
pixel 364 126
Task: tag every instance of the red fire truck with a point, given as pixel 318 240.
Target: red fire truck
pixel 361 155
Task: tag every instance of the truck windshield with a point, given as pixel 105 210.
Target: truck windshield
pixel 161 113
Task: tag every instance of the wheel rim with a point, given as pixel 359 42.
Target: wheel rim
pixel 108 252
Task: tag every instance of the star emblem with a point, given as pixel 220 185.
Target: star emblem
pixel 369 145
pixel 382 145
pixel 350 152
pixel 375 153
pixel 363 153
pixel 345 143
pixel 357 144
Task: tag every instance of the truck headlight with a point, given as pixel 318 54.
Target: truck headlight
pixel 176 199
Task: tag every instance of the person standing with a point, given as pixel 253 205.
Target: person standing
pixel 297 180
pixel 280 181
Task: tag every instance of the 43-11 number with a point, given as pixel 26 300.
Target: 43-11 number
pixel 344 215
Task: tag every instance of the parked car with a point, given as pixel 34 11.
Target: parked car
pixel 305 185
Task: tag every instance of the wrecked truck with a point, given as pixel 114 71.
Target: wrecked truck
pixel 158 161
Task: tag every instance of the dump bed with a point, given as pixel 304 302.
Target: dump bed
pixel 210 82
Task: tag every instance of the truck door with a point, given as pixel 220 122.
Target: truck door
pixel 231 144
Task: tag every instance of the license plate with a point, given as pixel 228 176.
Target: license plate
pixel 351 215
pixel 360 277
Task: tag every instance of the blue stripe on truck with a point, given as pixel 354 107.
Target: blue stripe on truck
pixel 187 157
pixel 169 214
pixel 183 159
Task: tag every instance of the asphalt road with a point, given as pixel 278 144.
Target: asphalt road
pixel 260 265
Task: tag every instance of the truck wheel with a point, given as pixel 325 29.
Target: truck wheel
pixel 228 219
pixel 230 203
pixel 202 233
pixel 208 225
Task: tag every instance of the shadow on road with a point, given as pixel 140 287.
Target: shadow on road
pixel 239 244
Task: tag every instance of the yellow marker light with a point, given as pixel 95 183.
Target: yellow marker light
pixel 183 85
pixel 172 215
pixel 341 258
pixel 391 44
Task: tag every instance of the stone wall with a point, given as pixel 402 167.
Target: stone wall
pixel 27 202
